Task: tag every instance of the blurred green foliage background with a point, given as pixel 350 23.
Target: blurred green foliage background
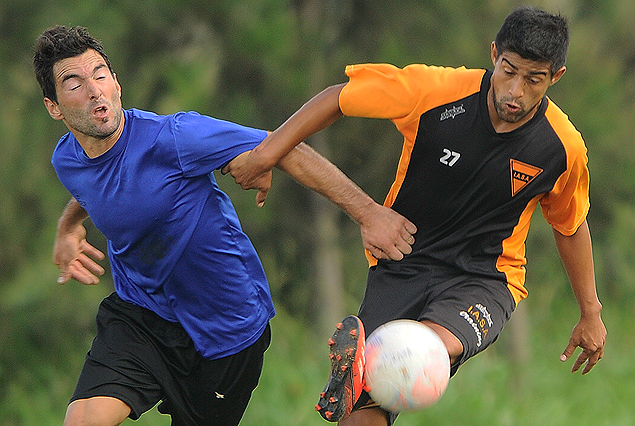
pixel 255 62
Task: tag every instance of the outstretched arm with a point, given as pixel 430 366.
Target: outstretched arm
pixel 317 114
pixel 589 333
pixel 72 254
pixel 385 233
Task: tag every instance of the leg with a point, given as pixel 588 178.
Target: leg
pixel 366 417
pixel 451 342
pixel 97 411
pixel 117 369
pixel 217 392
pixel 376 416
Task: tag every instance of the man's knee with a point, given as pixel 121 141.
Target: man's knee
pixel 451 342
pixel 97 411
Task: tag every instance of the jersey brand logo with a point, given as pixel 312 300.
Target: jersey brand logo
pixel 452 112
pixel 522 174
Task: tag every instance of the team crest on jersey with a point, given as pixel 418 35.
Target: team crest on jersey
pixel 522 174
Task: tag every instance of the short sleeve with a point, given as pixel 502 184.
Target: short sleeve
pixel 377 91
pixel 565 207
pixel 205 144
pixel 403 94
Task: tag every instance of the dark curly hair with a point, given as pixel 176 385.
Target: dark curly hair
pixel 59 43
pixel 535 35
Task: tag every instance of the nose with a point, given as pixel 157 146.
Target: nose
pixel 517 87
pixel 94 92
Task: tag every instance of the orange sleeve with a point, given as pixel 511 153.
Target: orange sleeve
pixel 565 207
pixel 403 94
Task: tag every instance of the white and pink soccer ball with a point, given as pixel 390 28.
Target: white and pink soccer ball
pixel 407 366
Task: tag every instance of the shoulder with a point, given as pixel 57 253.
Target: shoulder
pixel 64 147
pixel 415 81
pixel 387 91
pixel 186 123
pixel 425 77
pixel 414 70
pixel 569 136
pixel 138 116
pixel 179 120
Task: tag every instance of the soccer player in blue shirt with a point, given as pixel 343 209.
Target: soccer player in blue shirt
pixel 188 323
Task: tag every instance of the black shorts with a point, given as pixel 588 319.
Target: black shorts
pixel 141 359
pixel 474 308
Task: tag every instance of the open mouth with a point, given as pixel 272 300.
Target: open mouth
pixel 512 108
pixel 100 111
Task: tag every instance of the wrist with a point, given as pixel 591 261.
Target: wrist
pixel 591 309
pixel 264 155
pixel 363 209
pixel 65 228
pixel 71 219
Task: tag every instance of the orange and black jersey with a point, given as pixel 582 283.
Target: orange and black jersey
pixel 469 190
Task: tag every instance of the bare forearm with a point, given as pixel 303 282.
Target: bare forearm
pixel 577 258
pixel 72 216
pixel 317 114
pixel 250 170
pixel 589 333
pixel 315 172
pixel 385 233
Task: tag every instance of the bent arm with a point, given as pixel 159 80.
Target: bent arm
pixel 589 333
pixel 72 254
pixel 385 233
pixel 72 217
pixel 318 113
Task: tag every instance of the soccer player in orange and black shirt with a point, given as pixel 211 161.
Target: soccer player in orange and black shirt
pixel 482 148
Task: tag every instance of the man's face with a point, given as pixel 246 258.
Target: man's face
pixel 518 86
pixel 88 96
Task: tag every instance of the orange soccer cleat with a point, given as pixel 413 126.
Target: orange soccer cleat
pixel 347 370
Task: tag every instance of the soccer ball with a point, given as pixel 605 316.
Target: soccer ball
pixel 407 366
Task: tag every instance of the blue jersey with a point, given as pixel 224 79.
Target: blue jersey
pixel 175 244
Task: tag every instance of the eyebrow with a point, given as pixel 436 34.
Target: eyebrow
pixel 530 72
pixel 71 76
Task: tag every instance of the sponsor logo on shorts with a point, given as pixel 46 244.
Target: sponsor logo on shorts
pixel 479 318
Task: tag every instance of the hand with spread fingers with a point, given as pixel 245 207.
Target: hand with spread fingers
pixel 75 258
pixel 590 335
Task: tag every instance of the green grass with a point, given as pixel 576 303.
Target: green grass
pixel 490 390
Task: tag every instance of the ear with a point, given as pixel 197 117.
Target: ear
pixel 494 53
pixel 53 109
pixel 558 75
